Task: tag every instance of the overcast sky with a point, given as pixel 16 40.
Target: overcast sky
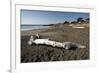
pixel 49 17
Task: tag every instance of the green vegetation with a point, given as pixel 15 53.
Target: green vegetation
pixel 79 20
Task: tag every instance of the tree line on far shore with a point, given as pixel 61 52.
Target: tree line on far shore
pixel 79 20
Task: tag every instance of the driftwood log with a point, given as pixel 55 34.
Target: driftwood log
pixel 65 45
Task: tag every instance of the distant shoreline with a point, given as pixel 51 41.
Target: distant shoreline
pixel 31 27
pixel 37 24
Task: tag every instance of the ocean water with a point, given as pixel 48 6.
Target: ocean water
pixel 30 27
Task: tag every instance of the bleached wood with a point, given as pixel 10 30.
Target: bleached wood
pixel 66 45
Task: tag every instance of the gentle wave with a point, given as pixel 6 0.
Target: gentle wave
pixel 30 27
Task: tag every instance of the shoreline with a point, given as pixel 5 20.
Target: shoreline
pixel 23 28
pixel 39 30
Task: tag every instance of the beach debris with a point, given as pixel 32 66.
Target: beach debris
pixel 65 45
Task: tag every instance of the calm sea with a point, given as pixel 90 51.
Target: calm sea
pixel 30 27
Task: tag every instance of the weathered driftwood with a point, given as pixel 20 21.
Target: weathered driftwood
pixel 66 45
